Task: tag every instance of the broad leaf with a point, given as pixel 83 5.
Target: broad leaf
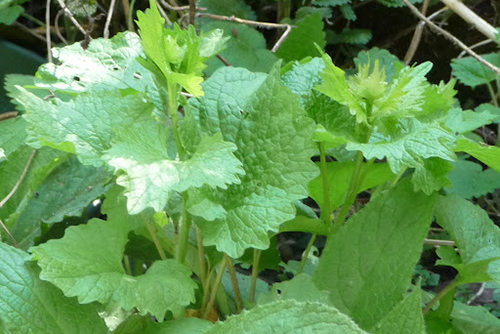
pixel 462 121
pixel 476 236
pixel 87 263
pixel 470 180
pixel 472 73
pixel 30 305
pixel 107 64
pixel 339 177
pixel 246 48
pixel 273 137
pixel 283 317
pixel 65 192
pixel 490 155
pixel 349 36
pixel 84 125
pixel 152 175
pixel 409 148
pixel 236 8
pixel 406 317
pixel 304 40
pixel 375 253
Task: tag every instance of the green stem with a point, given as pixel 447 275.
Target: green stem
pixel 305 255
pixel 130 20
pixel 327 211
pixel 126 261
pixel 201 258
pixel 255 273
pixel 440 295
pixel 398 177
pixel 173 105
pixel 33 19
pixel 351 195
pixel 234 283
pixel 185 227
pixel 152 232
pixel 206 293
pixel 215 288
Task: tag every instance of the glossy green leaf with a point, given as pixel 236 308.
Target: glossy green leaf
pixel 375 253
pixel 87 263
pixel 283 317
pixel 30 305
pixel 274 143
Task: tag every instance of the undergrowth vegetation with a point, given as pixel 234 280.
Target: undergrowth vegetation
pixel 147 179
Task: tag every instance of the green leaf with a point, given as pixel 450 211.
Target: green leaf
pixel 349 36
pixel 462 121
pixel 386 60
pixel 283 317
pixel 348 12
pixel 107 64
pixel 30 305
pixel 472 73
pixel 305 224
pixel 335 125
pixel 10 14
pixel 304 40
pixel 375 254
pixel 237 8
pixel 406 316
pixel 490 155
pixel 488 108
pixel 177 54
pixel 409 148
pixel 84 125
pixel 274 143
pixel 326 3
pixel 335 86
pixel 65 192
pixel 339 177
pixel 474 319
pixel 152 175
pixel 181 326
pixel 87 263
pixel 301 288
pixel 476 236
pixel 469 180
pixel 246 48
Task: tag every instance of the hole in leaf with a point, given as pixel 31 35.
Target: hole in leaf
pixel 116 68
pixel 278 291
pixel 76 78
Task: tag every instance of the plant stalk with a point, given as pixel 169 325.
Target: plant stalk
pixel 255 273
pixel 234 283
pixel 305 255
pixel 152 232
pixel 185 227
pixel 201 258
pixel 215 288
pixel 440 295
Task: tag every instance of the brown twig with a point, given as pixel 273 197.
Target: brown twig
pixel 18 183
pixel 192 11
pixel 417 36
pixel 247 22
pixel 449 36
pixel 282 38
pixel 9 234
pixel 56 25
pixel 72 19
pixel 7 115
pixel 223 60
pixel 108 18
pixel 47 32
